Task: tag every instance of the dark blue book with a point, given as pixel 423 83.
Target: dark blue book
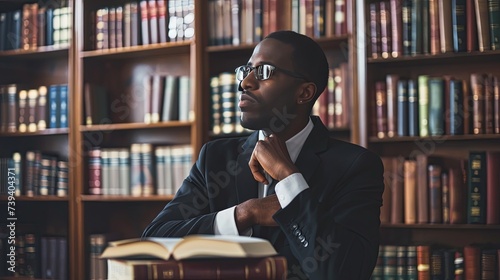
pixel 402 108
pixel 3 30
pixel 406 26
pixel 458 25
pixel 54 110
pixel 413 128
pixel 416 27
pixel 63 89
pixel 456 115
pixel 49 27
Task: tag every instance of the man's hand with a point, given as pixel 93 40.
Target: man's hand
pixel 271 155
pixel 256 211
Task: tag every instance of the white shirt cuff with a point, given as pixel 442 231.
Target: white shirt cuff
pixel 224 223
pixel 288 188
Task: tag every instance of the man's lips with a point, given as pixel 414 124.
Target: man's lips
pixel 246 100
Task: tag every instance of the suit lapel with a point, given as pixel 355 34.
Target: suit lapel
pixel 308 160
pixel 246 186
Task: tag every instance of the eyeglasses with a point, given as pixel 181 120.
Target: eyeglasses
pixel 263 72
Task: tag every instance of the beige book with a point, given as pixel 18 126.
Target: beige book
pixel 192 246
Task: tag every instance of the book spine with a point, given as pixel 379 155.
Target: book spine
pixel 435 194
pixel 458 18
pixel 477 188
pixel 392 99
pixel 436 106
pixel 374 30
pixel 423 105
pixel 496 104
pixel 410 192
pixel 494 20
pixel 95 172
pixel 445 197
pixel 250 269
pixel 406 26
pixel 413 128
pixel 456 116
pixel 396 28
pixel 23 114
pixel 492 188
pixel 477 90
pixel 423 262
pixel 381 109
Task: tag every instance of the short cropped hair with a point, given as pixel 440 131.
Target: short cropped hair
pixel 307 56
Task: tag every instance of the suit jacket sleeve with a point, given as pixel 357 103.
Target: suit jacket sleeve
pixel 189 212
pixel 333 230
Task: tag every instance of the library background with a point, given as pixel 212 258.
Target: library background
pixel 105 105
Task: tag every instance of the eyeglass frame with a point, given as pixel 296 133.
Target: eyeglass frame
pixel 273 68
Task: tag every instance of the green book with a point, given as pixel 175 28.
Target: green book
pixel 436 106
pixel 423 105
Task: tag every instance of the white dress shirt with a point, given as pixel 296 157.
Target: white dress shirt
pixel 286 189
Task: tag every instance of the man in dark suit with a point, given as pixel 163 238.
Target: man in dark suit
pixel 315 198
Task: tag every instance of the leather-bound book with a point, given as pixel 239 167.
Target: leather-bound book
pixel 396 28
pixel 410 192
pixel 406 26
pixel 471 26
pixel 413 128
pixel 457 190
pixel 423 262
pixel 458 29
pixel 435 194
pixel 434 27
pixel 381 105
pixel 494 21
pixel 455 119
pixel 422 187
pixel 392 100
pixel 423 105
pixel 436 106
pixel 472 262
pixel 492 188
pixel 488 104
pixel 488 264
pixel 445 26
pixel 416 27
pixel 385 29
pixel 496 105
pixel 267 268
pixel 483 27
pixel 402 108
pixel 477 94
pixel 385 210
pixel 398 190
pixel 375 31
pixel 476 209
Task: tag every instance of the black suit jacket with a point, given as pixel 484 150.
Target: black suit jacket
pixel 329 231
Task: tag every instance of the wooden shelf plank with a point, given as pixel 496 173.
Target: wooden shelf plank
pixel 125 198
pixel 426 58
pixel 130 126
pixel 45 52
pixel 38 198
pixel 48 131
pixel 130 52
pixel 441 138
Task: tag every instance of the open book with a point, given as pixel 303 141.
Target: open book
pixel 192 246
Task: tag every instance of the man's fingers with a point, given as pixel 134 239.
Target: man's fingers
pixel 256 170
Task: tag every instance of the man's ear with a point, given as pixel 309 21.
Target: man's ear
pixel 306 93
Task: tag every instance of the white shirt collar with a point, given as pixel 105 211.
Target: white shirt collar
pixel 294 144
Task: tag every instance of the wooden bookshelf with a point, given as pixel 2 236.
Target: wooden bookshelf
pixel 120 70
pixel 458 65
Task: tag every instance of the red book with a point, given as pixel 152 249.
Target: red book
pixel 472 262
pixel 492 188
pixel 424 262
pixel 95 170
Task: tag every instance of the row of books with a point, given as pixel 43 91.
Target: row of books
pixel 333 103
pixel 224 96
pixel 414 262
pixel 36 25
pixel 165 98
pixel 247 21
pixel 411 27
pixel 431 189
pixel 26 109
pixel 141 170
pixel 36 256
pixel 36 174
pixel 141 23
pixel 437 106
